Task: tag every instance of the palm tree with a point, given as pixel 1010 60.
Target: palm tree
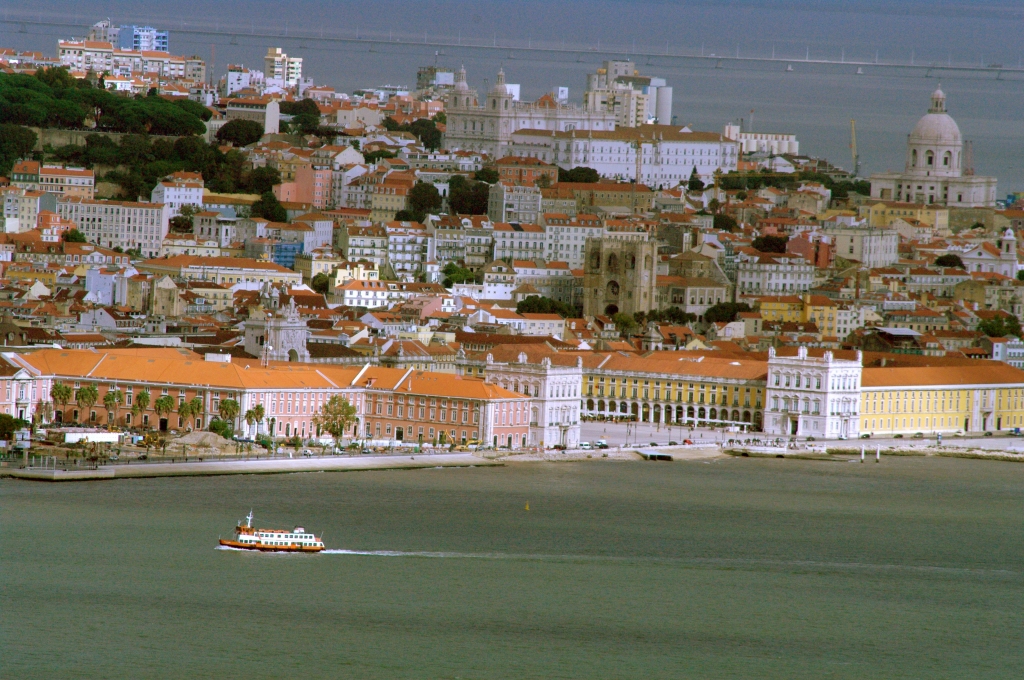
pixel 141 403
pixel 229 410
pixel 86 397
pixel 112 401
pixel 61 394
pixel 163 406
pixel 250 417
pixel 198 407
pixel 259 413
pixel 185 411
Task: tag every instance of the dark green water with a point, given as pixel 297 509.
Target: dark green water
pixel 742 568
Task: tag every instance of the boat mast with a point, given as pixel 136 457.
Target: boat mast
pixel 248 520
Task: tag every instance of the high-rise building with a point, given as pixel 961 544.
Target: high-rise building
pixel 104 31
pixel 617 87
pixel 279 65
pixel 143 39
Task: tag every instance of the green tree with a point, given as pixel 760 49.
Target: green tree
pixel 336 416
pixel 74 236
pixel 1000 326
pixel 307 106
pixel 453 274
pixel 263 179
pixel 8 425
pixel 424 199
pixel 185 410
pixel 725 223
pixel 163 406
pixel 228 410
pixel 305 123
pixel 112 401
pixel 1020 275
pixel 725 311
pixel 16 142
pixel 56 76
pixel 625 323
pixel 579 174
pixel 182 222
pixel 86 397
pixel 61 394
pixel 240 132
pixel 321 283
pixel 269 208
pixel 536 304
pixel 489 175
pixel 770 244
pixel 467 198
pixel 949 260
pixel 695 183
pixel 374 156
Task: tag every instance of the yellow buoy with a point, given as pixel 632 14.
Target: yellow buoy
pixel 527 507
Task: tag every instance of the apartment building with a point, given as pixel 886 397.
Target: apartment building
pixel 772 273
pixel 221 270
pixel 54 179
pixel 178 190
pixel 118 224
pixel 363 243
pixel 517 241
pixel 509 202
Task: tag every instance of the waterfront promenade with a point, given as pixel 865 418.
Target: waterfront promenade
pixel 251 467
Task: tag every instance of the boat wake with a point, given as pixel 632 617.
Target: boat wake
pixel 697 562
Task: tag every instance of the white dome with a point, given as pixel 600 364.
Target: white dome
pixel 936 128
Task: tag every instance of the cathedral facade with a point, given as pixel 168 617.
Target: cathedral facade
pixel 936 170
pixel 488 126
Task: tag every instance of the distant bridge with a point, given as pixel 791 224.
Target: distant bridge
pixel 527 50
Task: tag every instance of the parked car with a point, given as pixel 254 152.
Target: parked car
pixel 654 444
pixel 988 434
pixel 602 444
pixel 897 436
pixel 866 435
pixel 673 443
pixel 919 435
pixel 585 446
pixel 559 447
pixel 811 439
pixel 307 454
pixel 688 442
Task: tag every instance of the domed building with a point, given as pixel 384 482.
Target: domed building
pixel 935 171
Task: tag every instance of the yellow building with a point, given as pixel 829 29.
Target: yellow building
pixel 320 261
pixel 884 213
pixel 977 397
pixel 822 311
pixel 780 308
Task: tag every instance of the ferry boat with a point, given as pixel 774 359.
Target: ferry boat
pixel 248 537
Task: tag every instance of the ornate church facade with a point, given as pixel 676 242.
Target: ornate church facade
pixel 488 127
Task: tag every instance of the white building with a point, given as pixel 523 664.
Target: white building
pixel 410 247
pixel 114 224
pixel 509 202
pixel 772 143
pixel 515 241
pixel 278 65
pixel 567 237
pixel 668 154
pixel 870 246
pixel 772 274
pixel 554 387
pixel 617 87
pixel 936 170
pixel 178 190
pixel 358 293
pixel 999 257
pixel 813 396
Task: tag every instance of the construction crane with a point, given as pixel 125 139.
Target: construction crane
pixel 853 147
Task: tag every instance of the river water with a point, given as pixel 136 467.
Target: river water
pixel 739 568
pixel 813 101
